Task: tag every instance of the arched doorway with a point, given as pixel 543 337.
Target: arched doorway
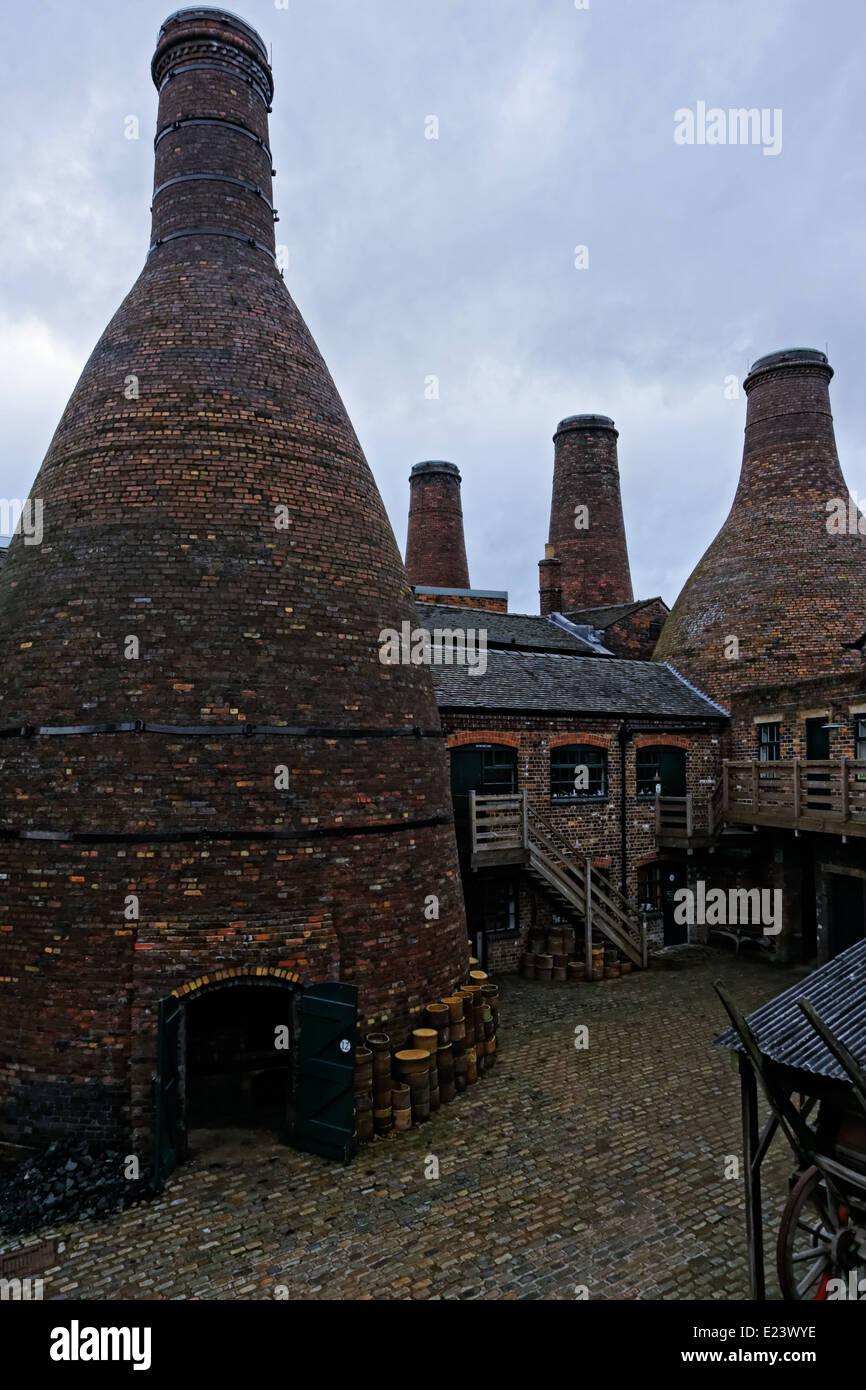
pixel 225 1062
pixel 239 1052
pixel 254 1050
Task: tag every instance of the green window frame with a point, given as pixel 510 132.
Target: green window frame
pixel 565 763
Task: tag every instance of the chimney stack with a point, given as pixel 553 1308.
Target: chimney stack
pixel 195 709
pixel 779 589
pixel 550 582
pixel 587 531
pixel 435 549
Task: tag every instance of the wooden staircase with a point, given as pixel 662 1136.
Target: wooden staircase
pixel 507 830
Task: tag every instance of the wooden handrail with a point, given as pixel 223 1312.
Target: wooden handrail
pixel 509 822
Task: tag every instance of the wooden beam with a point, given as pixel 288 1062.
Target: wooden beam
pixel 587 918
pixel 752 1181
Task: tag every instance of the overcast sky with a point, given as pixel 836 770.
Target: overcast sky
pixel 454 257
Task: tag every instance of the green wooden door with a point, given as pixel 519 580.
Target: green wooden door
pixel 168 1132
pixel 324 1112
pixel 818 779
pixel 483 768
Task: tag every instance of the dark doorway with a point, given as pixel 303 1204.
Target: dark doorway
pixel 238 1048
pixel 488 769
pixel 847 895
pixel 817 740
pixel 818 796
pixel 660 764
pixel 673 877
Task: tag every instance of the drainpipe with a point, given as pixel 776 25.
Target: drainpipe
pixel 623 733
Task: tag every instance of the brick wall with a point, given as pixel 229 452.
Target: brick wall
pixel 593 826
pixel 634 636
pixel 790 704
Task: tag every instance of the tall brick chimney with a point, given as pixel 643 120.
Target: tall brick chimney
pixel 777 592
pixel 435 549
pixel 206 767
pixel 587 531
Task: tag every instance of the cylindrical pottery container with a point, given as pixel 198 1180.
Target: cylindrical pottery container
pixel 455 1007
pixel 478 977
pixel 528 966
pixel 401 1096
pixel 363 1069
pixel 412 1061
pixel 625 967
pixel 403 1119
pixel 471 1066
pixel 383 1120
pixel 425 1039
pixel 611 972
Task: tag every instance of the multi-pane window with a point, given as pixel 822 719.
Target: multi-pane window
pixel 578 772
pixel 860 738
pixel 498 771
pixel 769 742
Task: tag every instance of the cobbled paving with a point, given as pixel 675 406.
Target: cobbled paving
pixel 563 1170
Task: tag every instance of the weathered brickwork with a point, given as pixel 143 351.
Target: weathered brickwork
pixel 491 603
pixel 435 549
pixel 635 635
pixel 216 557
pixel 594 558
pixel 775 580
pixel 839 699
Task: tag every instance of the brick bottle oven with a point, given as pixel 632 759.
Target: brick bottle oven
pixel 231 784
pixel 590 546
pixel 775 578
pixel 435 548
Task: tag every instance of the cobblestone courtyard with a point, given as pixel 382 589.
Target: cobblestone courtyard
pixel 562 1168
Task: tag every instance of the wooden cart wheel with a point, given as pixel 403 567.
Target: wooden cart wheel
pixel 817 1241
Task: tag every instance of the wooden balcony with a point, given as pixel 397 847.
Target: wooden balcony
pixel 825 797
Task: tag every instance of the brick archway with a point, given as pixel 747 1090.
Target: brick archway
pixel 246 974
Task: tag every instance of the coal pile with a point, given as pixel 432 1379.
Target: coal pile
pixel 67 1183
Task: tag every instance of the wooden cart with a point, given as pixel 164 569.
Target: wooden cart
pixel 814 1080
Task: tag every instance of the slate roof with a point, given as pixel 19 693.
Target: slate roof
pixel 838 992
pixel 604 617
pixel 571 684
pixel 523 631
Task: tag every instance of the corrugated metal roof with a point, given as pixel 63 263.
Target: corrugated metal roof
pixel 838 993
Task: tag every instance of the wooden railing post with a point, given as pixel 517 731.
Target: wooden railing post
pixel 796 774
pixel 725 784
pixel 525 818
pixel 754 784
pixel 658 814
pixel 587 918
pixel 846 810
pixel 689 814
pixel 473 822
